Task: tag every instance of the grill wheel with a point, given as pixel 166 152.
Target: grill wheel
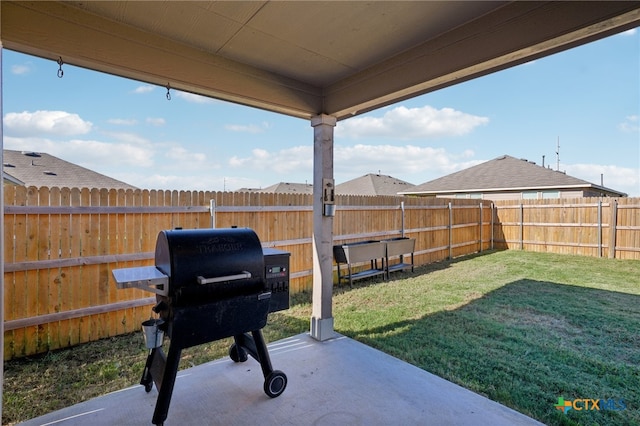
pixel 237 354
pixel 275 383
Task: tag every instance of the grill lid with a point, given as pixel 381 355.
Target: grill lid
pixel 199 265
pixel 206 264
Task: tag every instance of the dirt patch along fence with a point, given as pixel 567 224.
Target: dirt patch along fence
pixel 61 245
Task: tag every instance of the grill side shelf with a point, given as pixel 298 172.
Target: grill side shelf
pixel 145 277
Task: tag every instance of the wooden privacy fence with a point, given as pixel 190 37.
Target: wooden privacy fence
pixel 61 245
pixel 599 227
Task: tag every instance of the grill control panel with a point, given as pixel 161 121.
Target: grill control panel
pixel 276 263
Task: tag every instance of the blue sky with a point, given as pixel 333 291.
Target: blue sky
pixel 587 99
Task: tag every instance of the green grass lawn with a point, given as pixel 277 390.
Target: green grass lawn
pixel 521 328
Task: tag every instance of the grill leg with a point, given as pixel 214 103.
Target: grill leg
pixel 263 354
pixel 256 347
pixel 275 381
pixel 147 380
pixel 166 390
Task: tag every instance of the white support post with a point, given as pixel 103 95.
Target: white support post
pixel 322 316
pixel 212 212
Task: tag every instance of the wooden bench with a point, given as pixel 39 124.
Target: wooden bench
pixel 368 252
pixel 396 250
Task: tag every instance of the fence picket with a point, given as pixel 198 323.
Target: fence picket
pixel 13 297
pixel 32 221
pixel 66 291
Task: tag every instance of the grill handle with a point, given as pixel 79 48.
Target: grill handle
pixel 242 276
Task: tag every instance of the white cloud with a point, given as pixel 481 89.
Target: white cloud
pixel 399 161
pixel 129 138
pixel 402 162
pixel 101 154
pixel 94 155
pixel 144 89
pixel 20 69
pixel 183 158
pixel 168 181
pixel 158 122
pixel 187 182
pixel 191 97
pixel 248 128
pixel 122 121
pixel 59 123
pixel 622 179
pixel 290 160
pixel 630 32
pixel 631 124
pixel 403 123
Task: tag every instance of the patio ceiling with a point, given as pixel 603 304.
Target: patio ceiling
pixel 339 58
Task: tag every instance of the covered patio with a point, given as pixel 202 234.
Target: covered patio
pixel 323 62
pixel 336 382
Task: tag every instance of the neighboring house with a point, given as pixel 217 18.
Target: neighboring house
pixel 283 188
pixel 509 178
pixel 40 169
pixel 373 184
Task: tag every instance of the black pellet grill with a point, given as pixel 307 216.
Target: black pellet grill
pixel 210 284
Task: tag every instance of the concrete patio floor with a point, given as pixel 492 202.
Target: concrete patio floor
pixel 336 382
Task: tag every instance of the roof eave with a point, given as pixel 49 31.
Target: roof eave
pixel 6 176
pixel 514 189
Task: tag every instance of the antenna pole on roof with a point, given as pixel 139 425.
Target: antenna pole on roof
pixel 558 155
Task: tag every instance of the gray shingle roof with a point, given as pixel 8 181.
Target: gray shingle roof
pixel 41 169
pixel 500 174
pixel 283 188
pixel 373 184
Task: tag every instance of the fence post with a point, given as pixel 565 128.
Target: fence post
pixel 613 221
pixel 212 212
pixel 600 227
pixel 450 231
pixel 492 222
pixel 521 227
pixel 402 209
pixel 481 227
